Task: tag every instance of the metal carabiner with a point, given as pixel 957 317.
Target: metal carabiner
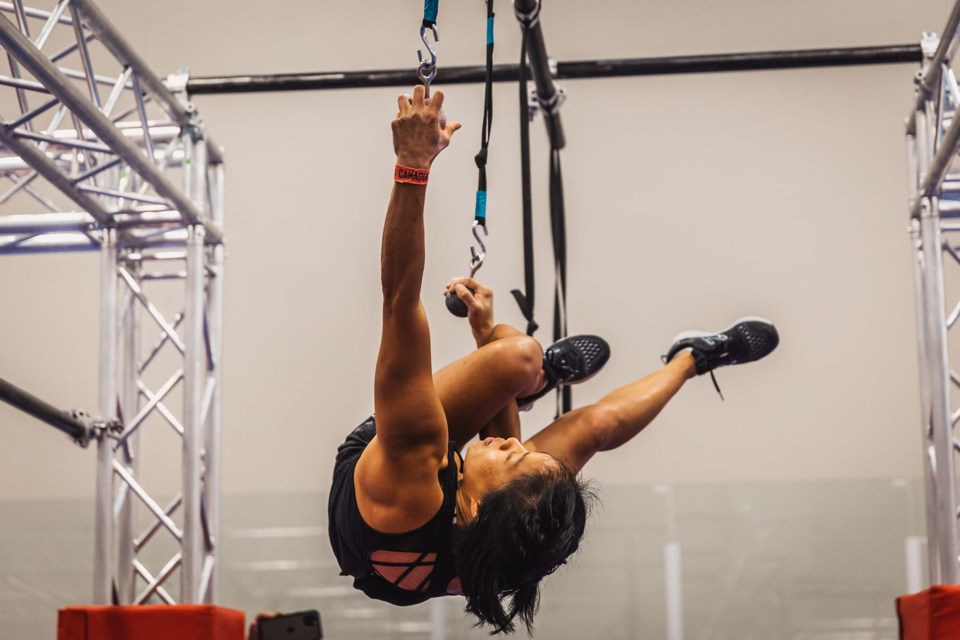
pixel 477 257
pixel 427 70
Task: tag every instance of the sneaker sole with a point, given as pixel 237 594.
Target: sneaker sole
pixel 686 335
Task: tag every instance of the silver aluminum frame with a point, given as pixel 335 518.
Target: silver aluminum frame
pixel 933 142
pixel 115 147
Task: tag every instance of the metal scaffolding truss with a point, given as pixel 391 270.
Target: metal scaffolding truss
pixel 101 155
pixel 933 142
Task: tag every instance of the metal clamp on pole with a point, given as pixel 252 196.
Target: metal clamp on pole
pixel 527 13
pixel 95 428
pixel 549 105
pixel 192 124
pixel 929 48
pixel 548 95
pixel 946 49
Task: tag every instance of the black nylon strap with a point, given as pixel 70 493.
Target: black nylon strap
pixel 526 300
pixel 559 232
pixel 557 227
pixel 481 157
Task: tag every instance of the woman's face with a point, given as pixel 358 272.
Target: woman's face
pixel 491 463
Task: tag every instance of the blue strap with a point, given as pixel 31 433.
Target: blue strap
pixel 480 213
pixel 490 30
pixel 430 9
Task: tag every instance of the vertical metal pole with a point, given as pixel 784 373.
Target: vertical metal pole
pixel 438 625
pixel 195 159
pixel 215 320
pixel 103 560
pixel 674 587
pixel 918 160
pixel 126 576
pixel 192 428
pixel 940 392
pixel 929 477
pixel 919 155
pixel 913 548
pixel 673 576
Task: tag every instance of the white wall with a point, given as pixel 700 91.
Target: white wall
pixel 691 200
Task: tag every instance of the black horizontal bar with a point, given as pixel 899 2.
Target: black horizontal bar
pixel 756 61
pixel 34 406
pixel 806 58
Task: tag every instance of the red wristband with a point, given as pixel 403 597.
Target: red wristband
pixel 409 175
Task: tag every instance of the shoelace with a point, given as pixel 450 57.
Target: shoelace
pixel 568 365
pixel 716 386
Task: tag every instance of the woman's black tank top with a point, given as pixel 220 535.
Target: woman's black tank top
pixel 360 549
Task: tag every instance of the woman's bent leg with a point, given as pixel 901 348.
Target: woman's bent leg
pixel 478 392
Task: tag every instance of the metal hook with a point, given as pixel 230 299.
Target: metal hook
pixel 477 257
pixel 427 70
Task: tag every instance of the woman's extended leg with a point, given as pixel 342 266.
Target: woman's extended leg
pixel 615 418
pixel 620 415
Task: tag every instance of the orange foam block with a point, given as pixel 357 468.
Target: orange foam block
pixel 150 622
pixel 933 614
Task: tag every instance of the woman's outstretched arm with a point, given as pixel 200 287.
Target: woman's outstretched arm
pixel 396 477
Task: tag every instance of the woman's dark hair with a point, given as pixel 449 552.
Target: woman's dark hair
pixel 523 531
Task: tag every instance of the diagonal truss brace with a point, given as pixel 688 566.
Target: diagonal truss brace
pixel 56 82
pixel 46 168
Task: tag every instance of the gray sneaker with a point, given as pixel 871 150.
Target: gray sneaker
pixel 749 339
